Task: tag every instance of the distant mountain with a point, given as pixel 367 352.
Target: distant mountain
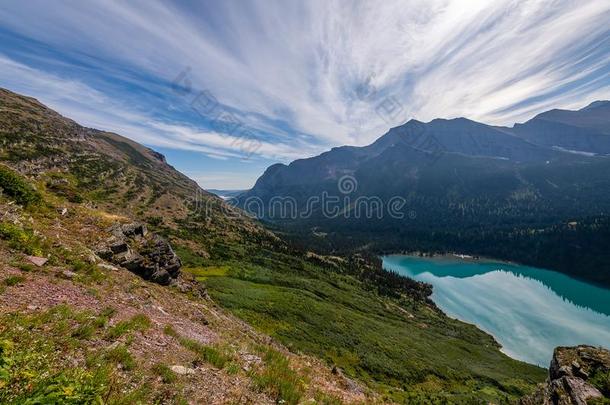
pixel 595 116
pixel 460 180
pixel 586 131
pixel 548 136
pixel 444 149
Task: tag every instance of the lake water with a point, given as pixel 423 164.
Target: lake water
pixel 528 310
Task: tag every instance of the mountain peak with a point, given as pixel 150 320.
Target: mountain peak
pixel 596 104
pixel 457 120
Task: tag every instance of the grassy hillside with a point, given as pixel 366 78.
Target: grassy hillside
pixel 77 330
pixel 373 328
pixel 405 349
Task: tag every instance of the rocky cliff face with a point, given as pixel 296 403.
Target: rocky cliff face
pixel 577 376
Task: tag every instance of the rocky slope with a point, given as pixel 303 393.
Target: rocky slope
pixel 94 333
pixel 105 170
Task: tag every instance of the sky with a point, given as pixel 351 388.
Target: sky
pixel 226 88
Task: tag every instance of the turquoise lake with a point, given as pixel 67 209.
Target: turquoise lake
pixel 528 310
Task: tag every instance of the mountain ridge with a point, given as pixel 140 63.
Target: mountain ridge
pixel 460 182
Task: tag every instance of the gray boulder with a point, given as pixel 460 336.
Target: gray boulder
pixel 141 252
pixel 577 376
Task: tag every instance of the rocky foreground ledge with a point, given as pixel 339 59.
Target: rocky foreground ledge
pixel 577 376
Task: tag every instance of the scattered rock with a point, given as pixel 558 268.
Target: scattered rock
pixel 182 370
pixel 38 261
pixel 352 386
pixel 160 309
pixel 250 361
pixel 347 383
pixel 91 258
pixel 186 285
pixel 571 374
pixel 134 230
pixel 119 247
pixel 69 274
pixel 107 267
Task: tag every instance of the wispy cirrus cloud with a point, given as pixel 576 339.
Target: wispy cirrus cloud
pixel 293 72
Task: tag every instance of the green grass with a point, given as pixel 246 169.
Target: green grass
pixel 601 380
pixel 36 361
pixel 64 185
pixel 202 273
pixel 233 368
pixel 206 353
pixel 166 374
pixel 327 399
pixel 92 324
pixel 139 322
pixel 414 358
pixel 13 280
pixel 27 267
pixel 170 331
pixel 278 380
pixel 88 273
pixel 189 258
pixel 120 355
pixel 84 331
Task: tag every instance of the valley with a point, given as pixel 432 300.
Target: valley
pixel 307 202
pixel 376 333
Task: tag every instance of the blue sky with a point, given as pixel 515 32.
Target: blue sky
pixel 227 88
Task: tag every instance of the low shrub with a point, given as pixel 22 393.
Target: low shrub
pixel 278 379
pixel 13 280
pixel 206 353
pixel 137 323
pixel 166 373
pixel 21 239
pixel 18 188
pixel 120 355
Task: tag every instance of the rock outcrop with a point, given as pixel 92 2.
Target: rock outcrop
pixel 141 252
pixel 577 376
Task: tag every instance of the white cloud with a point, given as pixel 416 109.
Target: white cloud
pixel 301 63
pixel 91 108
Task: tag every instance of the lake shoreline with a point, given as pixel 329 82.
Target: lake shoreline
pixel 548 308
pixel 453 256
pixel 466 258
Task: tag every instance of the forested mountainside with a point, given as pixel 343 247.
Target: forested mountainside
pixel 537 193
pixel 85 213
